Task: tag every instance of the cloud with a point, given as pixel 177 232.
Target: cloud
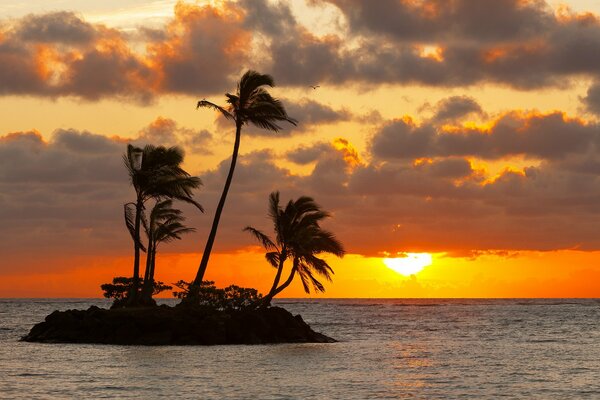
pixel 456 107
pixel 166 132
pixel 592 98
pixel 67 192
pixel 547 136
pixel 309 113
pixel 440 202
pixel 60 54
pixel 204 48
pixel 57 27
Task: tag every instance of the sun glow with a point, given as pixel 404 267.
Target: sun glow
pixel 409 264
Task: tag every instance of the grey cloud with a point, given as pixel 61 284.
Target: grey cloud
pixel 456 107
pixel 166 132
pixel 65 193
pixel 308 154
pixel 309 113
pixel 450 168
pixel 458 20
pixel 273 19
pixel 592 98
pixel 56 27
pixel 548 136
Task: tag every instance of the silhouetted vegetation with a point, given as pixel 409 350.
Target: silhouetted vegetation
pixel 121 287
pixel 230 298
pixel 164 225
pixel 298 236
pixel 206 314
pixel 251 104
pixel 155 173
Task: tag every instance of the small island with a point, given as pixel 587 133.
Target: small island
pixel 206 315
pixel 165 325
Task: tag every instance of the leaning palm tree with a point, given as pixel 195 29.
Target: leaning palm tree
pixel 251 104
pixel 164 225
pixel 298 236
pixel 155 172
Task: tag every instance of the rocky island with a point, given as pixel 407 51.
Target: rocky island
pixel 164 325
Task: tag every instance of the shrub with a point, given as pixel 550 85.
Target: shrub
pixel 230 298
pixel 121 286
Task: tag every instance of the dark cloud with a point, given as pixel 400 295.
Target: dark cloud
pixel 59 54
pixel 310 112
pixel 62 194
pixel 307 112
pixel 546 136
pixel 592 99
pixel 57 27
pixel 308 154
pixel 203 49
pixel 456 107
pixel 272 19
pixel 441 20
pixel 67 192
pixel 166 132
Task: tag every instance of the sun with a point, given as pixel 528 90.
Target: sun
pixel 410 264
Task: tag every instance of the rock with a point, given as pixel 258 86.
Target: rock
pixel 174 326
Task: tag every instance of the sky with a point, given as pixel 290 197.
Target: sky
pixel 455 143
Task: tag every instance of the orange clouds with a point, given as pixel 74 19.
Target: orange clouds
pixel 522 44
pixel 202 48
pixel 59 54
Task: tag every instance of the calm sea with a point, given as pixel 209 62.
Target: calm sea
pixel 429 349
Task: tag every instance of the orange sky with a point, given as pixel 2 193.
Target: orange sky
pixel 430 133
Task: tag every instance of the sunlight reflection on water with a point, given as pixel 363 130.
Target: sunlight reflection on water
pixel 387 349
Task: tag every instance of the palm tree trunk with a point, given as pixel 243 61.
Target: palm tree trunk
pixel 267 299
pixel 194 288
pixel 147 288
pixel 282 257
pixel 133 295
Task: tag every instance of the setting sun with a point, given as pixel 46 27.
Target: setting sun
pixel 409 264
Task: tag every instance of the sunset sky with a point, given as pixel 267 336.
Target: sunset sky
pixel 461 134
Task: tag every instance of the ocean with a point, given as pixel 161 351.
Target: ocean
pixel 388 349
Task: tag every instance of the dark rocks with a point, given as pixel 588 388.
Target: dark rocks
pixel 174 326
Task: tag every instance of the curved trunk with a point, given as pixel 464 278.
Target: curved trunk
pixel 267 299
pixel 149 273
pixel 133 294
pixel 282 257
pixel 213 231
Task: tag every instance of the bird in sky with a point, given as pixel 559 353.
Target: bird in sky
pixel 314 86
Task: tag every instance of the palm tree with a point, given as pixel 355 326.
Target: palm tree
pixel 251 104
pixel 299 236
pixel 164 225
pixel 155 172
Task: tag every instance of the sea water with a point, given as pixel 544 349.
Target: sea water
pixel 387 349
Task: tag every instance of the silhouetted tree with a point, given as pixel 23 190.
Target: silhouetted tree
pixel 155 172
pixel 298 236
pixel 121 287
pixel 251 104
pixel 164 225
pixel 230 298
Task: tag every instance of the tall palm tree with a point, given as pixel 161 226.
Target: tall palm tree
pixel 298 236
pixel 164 225
pixel 251 104
pixel 155 172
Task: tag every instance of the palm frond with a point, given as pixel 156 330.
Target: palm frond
pixel 261 237
pixel 273 258
pixel 208 104
pixel 129 215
